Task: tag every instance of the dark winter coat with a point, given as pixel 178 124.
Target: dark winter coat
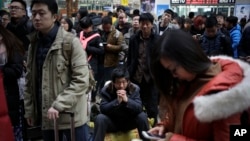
pixel 133 52
pixel 244 47
pixel 12 71
pixel 123 111
pixel 21 30
pixel 219 44
pixel 96 49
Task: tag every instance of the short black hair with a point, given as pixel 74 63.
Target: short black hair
pixel 83 12
pixel 23 3
pixel 110 13
pixel 191 15
pixel 3 12
pixel 107 20
pixel 211 22
pixel 136 12
pixel 120 7
pixel 169 11
pixel 220 15
pixel 52 5
pixel 146 17
pixel 86 22
pixel 232 19
pixel 119 72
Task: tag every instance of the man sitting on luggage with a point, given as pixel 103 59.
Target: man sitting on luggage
pixel 121 107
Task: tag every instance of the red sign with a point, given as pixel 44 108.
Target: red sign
pixel 201 2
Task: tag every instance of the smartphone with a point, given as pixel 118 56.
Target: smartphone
pixel 152 136
pixel 104 43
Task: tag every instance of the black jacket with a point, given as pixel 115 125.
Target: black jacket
pixel 124 111
pixel 219 44
pixel 96 49
pixel 133 52
pixel 12 71
pixel 244 46
pixel 21 30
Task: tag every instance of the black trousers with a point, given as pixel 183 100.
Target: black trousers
pixel 150 98
pixel 103 125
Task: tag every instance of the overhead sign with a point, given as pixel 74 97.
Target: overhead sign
pixel 226 1
pixel 201 2
pixel 178 1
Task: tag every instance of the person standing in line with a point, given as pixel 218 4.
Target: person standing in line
pixel 11 56
pixel 57 76
pixel 138 63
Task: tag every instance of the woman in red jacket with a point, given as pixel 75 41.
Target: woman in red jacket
pixel 6 133
pixel 200 96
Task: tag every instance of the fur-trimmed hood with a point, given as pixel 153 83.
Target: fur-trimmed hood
pixel 225 103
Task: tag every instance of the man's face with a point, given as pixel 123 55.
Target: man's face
pixel 17 10
pixel 146 27
pixel 166 17
pixel 106 27
pixel 135 21
pixel 121 83
pixel 211 32
pixel 43 20
pixel 5 20
pixel 220 20
pixel 122 18
pixel 228 25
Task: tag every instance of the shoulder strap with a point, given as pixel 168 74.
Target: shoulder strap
pixel 67 46
pixel 85 41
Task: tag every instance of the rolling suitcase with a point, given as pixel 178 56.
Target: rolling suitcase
pixel 72 128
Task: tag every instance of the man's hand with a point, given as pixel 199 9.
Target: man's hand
pixel 108 45
pixel 30 121
pixel 52 113
pixel 123 95
pixel 119 98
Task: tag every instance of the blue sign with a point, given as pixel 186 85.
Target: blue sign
pixel 161 8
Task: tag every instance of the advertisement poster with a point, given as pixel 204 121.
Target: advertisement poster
pixel 242 11
pixel 147 6
pixel 161 8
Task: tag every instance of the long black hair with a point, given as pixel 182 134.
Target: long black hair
pixel 12 43
pixel 178 46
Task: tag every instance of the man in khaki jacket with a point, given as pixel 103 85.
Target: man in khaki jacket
pixel 55 83
pixel 113 40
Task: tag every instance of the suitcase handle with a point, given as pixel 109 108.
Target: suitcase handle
pixel 72 124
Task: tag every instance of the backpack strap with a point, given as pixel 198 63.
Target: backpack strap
pixel 85 41
pixel 67 47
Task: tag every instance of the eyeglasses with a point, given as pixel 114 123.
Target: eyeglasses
pixel 15 8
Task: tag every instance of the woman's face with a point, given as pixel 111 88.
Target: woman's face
pixel 64 24
pixel 177 70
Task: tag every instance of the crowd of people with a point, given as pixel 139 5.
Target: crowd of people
pixel 190 75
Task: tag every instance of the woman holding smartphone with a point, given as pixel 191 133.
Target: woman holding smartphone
pixel 200 96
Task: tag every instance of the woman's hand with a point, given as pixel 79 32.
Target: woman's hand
pixel 158 130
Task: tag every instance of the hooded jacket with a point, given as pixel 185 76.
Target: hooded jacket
pixel 218 104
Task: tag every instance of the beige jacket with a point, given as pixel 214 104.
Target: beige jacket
pixel 64 83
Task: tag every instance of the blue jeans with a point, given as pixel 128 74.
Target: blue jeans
pixel 81 133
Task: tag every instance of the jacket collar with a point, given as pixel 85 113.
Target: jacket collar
pixel 225 103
